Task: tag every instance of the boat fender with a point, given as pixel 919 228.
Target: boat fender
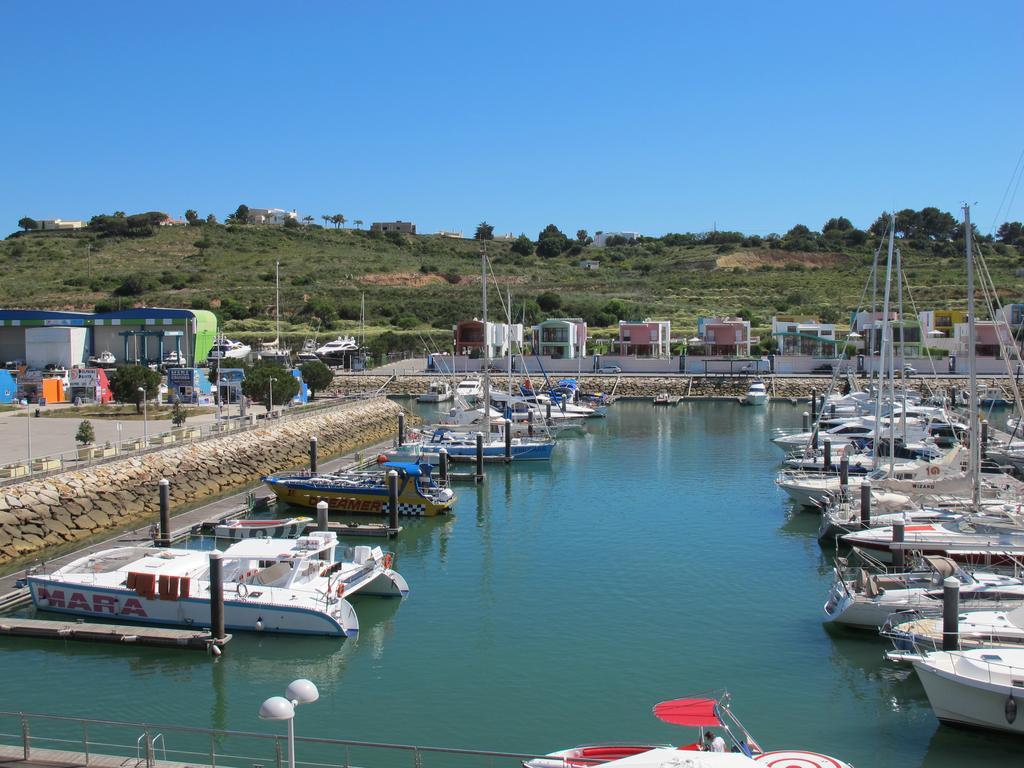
pixel 381 458
pixel 242 591
pixel 1011 709
pixel 259 624
pixel 387 561
pixel 933 471
pixel 341 590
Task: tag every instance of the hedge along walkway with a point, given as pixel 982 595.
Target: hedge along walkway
pixel 74 505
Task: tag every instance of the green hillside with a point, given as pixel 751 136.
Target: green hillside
pixel 420 285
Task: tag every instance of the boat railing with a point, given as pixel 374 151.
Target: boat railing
pixel 81 741
pixel 1007 671
pixel 45 465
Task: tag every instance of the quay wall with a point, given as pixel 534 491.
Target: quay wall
pixel 624 385
pixel 74 505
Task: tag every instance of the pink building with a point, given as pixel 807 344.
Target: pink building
pixel 646 338
pixel 725 336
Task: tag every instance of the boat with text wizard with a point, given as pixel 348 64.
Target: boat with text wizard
pixel 419 493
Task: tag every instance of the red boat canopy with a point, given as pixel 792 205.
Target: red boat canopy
pixel 697 712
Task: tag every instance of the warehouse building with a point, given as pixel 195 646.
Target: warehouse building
pixel 41 338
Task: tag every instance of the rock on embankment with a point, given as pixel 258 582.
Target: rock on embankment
pixel 73 505
pixel 648 386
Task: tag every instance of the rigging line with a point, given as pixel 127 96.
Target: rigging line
pixel 1016 174
pixel 913 307
pixel 986 284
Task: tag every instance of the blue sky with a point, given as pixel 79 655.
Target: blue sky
pixel 652 117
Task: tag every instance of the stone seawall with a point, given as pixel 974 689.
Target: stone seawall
pixel 648 386
pixel 74 505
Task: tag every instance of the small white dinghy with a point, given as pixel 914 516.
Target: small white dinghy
pixel 757 393
pixel 262 529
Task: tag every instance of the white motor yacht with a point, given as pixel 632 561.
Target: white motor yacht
pixel 225 349
pixel 757 393
pixel 437 392
pixel 339 347
pixel 470 390
pixel 981 687
pixel 270 585
pixel 104 359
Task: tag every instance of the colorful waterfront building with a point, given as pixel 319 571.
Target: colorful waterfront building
pixel 645 338
pixel 804 336
pixel 474 339
pixel 561 337
pixel 725 336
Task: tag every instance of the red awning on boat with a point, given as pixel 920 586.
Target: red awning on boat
pixel 697 712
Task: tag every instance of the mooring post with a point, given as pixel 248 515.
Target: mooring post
pixel 401 430
pixel 951 614
pixel 321 515
pixel 865 504
pixel 393 500
pixel 217 595
pixel 442 463
pixel 548 410
pixel 831 410
pixel 807 421
pixel 898 553
pixel 844 470
pixel 312 455
pixel 165 513
pixel 479 456
pixel 814 435
pixel 508 440
pixel 814 405
pixel 984 437
pixel 529 422
pixel 827 456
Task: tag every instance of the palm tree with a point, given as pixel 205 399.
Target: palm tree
pixel 339 220
pixel 326 217
pixel 358 223
pixel 308 220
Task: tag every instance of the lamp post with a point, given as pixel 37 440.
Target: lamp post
pixel 301 691
pixel 28 429
pixel 145 416
pixel 270 400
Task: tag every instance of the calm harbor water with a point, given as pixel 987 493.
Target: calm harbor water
pixel 653 558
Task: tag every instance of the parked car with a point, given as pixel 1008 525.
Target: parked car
pixel 823 368
pixel 909 370
pixel 609 369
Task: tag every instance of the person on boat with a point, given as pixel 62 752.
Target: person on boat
pixel 713 743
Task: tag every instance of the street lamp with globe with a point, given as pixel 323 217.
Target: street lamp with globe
pixel 301 691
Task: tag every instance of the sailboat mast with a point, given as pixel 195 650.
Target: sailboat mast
pixel 277 301
pixel 487 344
pixel 903 333
pixel 880 392
pixel 975 436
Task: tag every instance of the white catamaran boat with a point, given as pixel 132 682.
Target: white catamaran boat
pixel 272 585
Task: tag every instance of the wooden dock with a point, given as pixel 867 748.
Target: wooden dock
pixel 161 637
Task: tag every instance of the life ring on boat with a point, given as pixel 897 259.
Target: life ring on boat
pixel 242 591
pixel 933 471
pixel 387 560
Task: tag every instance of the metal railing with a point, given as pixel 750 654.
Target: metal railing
pixel 92 740
pixel 55 463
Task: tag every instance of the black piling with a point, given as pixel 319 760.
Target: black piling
pixel 442 464
pixel 984 438
pixel 807 421
pixel 480 456
pixel 312 455
pixel 898 553
pixel 393 500
pixel 321 515
pixel 950 614
pixel 865 504
pixel 165 513
pixel 832 410
pixel 547 408
pixel 814 405
pixel 508 440
pixel 827 455
pixel 401 430
pixel 529 422
pixel 216 596
pixel 844 470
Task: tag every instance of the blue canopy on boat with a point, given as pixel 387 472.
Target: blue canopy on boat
pixel 409 467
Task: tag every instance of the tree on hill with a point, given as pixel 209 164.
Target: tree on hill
pixel 211 219
pixel 338 219
pixel 27 223
pixel 838 224
pixel 358 223
pixel 240 216
pixel 126 380
pixel 549 301
pixel 264 377
pixel 317 376
pixel 326 218
pixel 1009 232
pixel 191 216
pixel 484 231
pixel 583 238
pixel 551 242
pixel 522 245
pixel 307 220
